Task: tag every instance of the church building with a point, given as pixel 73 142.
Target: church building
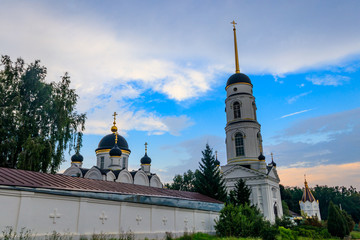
pixel 112 157
pixel 245 158
pixel 308 204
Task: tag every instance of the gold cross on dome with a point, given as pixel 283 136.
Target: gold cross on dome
pixel 233 23
pixel 114 115
pixel 146 146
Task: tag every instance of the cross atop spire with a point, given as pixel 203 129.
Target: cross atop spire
pixel 272 157
pixel 114 128
pixel 233 23
pixel 146 147
pixel 237 69
pixel 216 155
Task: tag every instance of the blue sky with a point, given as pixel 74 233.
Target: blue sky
pixel 163 66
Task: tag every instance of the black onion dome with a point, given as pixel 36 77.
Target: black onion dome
pixel 77 157
pixel 261 157
pixel 238 78
pixel 273 163
pixel 145 159
pixel 217 162
pixel 115 151
pixel 108 142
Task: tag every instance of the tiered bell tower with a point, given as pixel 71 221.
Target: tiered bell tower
pixel 243 137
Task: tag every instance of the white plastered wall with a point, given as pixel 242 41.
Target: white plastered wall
pixel 44 213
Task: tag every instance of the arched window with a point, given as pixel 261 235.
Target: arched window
pixel 102 162
pixel 276 210
pixel 254 109
pixel 236 107
pixel 239 144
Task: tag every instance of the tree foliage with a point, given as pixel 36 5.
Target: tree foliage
pixel 208 179
pixel 243 221
pixel 38 119
pixel 183 182
pixel 240 194
pixel 337 225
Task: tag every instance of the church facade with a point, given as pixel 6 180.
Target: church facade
pixel 112 157
pixel 245 159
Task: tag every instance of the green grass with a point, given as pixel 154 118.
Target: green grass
pixel 355 235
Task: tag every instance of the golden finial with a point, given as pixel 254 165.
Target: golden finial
pixel 272 157
pixel 114 128
pixel 236 50
pixel 216 154
pixel 116 138
pixel 146 147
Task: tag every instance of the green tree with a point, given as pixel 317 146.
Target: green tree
pixel 240 194
pixel 243 221
pixel 38 119
pixel 337 225
pixel 183 182
pixel 208 179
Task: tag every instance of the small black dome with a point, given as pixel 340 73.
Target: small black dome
pixel 238 78
pixel 108 142
pixel 273 163
pixel 115 151
pixel 77 157
pixel 261 157
pixel 217 162
pixel 145 159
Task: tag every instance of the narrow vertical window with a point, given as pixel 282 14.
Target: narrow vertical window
pixel 259 142
pixel 254 109
pixel 236 108
pixel 123 165
pixel 239 144
pixel 102 162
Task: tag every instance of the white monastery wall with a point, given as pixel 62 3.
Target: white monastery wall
pixel 44 213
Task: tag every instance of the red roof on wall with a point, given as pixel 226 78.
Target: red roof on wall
pixel 22 178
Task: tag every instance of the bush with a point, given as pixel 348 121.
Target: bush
pixel 241 221
pixel 355 235
pixel 287 234
pixel 284 222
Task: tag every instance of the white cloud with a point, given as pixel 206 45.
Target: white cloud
pixel 295 113
pixel 295 98
pixel 328 80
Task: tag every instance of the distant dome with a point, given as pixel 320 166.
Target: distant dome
pixel 108 142
pixel 115 151
pixel 238 78
pixel 217 162
pixel 145 159
pixel 77 157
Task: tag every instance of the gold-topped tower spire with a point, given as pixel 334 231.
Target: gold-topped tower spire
pixel 146 147
pixel 237 70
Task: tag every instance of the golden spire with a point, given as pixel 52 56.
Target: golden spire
pixel 146 147
pixel 115 138
pixel 236 50
pixel 216 154
pixel 114 128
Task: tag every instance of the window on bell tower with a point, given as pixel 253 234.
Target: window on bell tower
pixel 239 144
pixel 254 109
pixel 102 162
pixel 236 108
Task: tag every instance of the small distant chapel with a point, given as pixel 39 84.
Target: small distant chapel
pixel 245 158
pixel 308 204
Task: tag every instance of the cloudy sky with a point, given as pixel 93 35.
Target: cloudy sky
pixel 163 66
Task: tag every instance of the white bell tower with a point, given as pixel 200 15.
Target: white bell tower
pixel 243 137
